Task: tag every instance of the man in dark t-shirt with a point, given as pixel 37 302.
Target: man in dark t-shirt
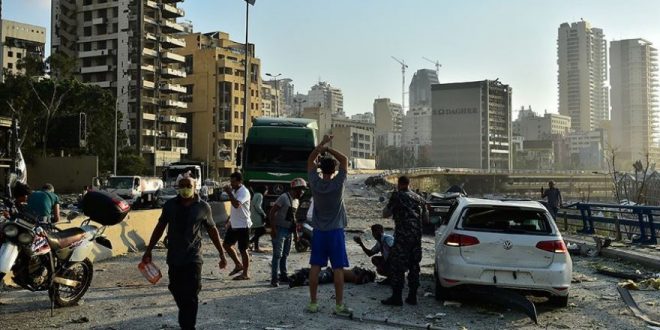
pixel 554 198
pixel 184 216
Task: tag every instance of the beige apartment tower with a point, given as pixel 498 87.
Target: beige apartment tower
pixel 215 85
pixel 582 75
pixel 19 40
pixel 634 77
pixel 127 47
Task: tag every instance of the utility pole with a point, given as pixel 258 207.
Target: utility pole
pixel 247 69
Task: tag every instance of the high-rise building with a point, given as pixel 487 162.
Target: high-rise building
pixel 420 88
pixel 322 116
pixel 542 127
pixel 472 125
pixel 582 61
pixel 353 138
pixel 389 122
pixel 325 96
pixel 19 40
pixel 633 74
pixel 417 127
pixel 215 79
pixel 367 117
pixel 267 100
pixel 127 47
pixel 285 96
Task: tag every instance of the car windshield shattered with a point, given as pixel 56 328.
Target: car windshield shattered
pixel 506 220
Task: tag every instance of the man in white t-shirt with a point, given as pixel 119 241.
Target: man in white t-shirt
pixel 239 224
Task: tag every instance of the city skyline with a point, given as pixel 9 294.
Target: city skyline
pixel 353 53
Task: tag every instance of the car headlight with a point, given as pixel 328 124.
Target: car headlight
pixel 25 238
pixel 10 230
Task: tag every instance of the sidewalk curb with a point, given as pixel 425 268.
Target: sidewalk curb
pixel 618 253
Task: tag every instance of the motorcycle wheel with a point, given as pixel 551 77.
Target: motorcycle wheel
pixel 65 296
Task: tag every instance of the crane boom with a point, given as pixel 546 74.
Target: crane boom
pixel 436 63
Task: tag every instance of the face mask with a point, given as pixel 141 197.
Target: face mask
pixel 186 192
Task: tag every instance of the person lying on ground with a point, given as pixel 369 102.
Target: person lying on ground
pixel 356 275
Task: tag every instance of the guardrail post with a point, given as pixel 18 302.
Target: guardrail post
pixel 617 227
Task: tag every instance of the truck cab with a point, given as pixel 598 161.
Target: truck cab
pixel 136 190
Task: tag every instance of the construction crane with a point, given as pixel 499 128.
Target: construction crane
pixel 436 63
pixel 404 66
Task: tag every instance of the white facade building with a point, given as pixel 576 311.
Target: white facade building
pixel 542 128
pixel 325 96
pixel 417 127
pixel 634 70
pixel 582 79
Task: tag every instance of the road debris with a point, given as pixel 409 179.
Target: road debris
pixel 436 316
pixel 452 304
pixel 579 278
pixel 648 284
pixel 82 319
pixel 630 302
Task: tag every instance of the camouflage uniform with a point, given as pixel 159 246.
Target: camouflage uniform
pixel 408 209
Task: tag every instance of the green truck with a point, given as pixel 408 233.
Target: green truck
pixel 275 152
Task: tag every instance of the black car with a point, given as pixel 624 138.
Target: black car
pixel 439 206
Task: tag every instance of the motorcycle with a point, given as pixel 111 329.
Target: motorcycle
pixel 55 261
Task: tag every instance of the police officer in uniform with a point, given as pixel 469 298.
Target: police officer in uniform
pixel 408 210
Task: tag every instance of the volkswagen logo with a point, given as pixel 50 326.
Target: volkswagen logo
pixel 507 245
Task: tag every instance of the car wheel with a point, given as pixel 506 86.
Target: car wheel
pixel 558 301
pixel 441 293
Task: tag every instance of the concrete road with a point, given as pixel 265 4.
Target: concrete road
pixel 121 299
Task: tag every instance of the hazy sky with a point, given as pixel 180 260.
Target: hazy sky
pixel 349 42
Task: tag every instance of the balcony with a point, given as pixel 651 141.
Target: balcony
pixel 172 88
pixel 172 73
pixel 151 4
pixel 181 150
pixel 95 53
pixel 174 104
pixel 168 26
pixel 149 52
pixel 99 20
pixel 148 116
pixel 148 149
pixel 102 84
pixel 94 69
pixel 170 11
pixel 176 135
pixel 150 36
pixel 148 84
pixel 171 42
pixel 172 119
pixel 148 67
pixel 169 57
pixel 150 20
pixel 148 132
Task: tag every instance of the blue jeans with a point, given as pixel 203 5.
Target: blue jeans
pixel 281 248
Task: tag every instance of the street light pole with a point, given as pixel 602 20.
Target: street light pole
pixel 277 90
pixel 247 68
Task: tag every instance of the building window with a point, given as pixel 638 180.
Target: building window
pixel 87 32
pixel 10 53
pixel 189 64
pixel 19 55
pixel 10 65
pixel 236 100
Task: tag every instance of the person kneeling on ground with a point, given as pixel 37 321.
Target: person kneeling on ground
pixel 384 243
pixel 356 275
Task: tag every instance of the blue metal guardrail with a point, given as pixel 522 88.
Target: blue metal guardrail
pixel 624 218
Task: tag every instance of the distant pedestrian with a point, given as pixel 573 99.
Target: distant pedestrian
pixel 384 244
pixel 554 199
pixel 204 192
pixel 258 216
pixel 408 210
pixel 329 220
pixel 45 205
pixel 184 216
pixel 239 224
pixel 283 228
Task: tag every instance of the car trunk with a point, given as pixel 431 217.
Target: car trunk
pixel 506 250
pixel 507 237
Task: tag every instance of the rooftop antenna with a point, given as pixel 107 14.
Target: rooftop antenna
pixel 436 63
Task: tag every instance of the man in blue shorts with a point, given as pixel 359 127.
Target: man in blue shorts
pixel 329 221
